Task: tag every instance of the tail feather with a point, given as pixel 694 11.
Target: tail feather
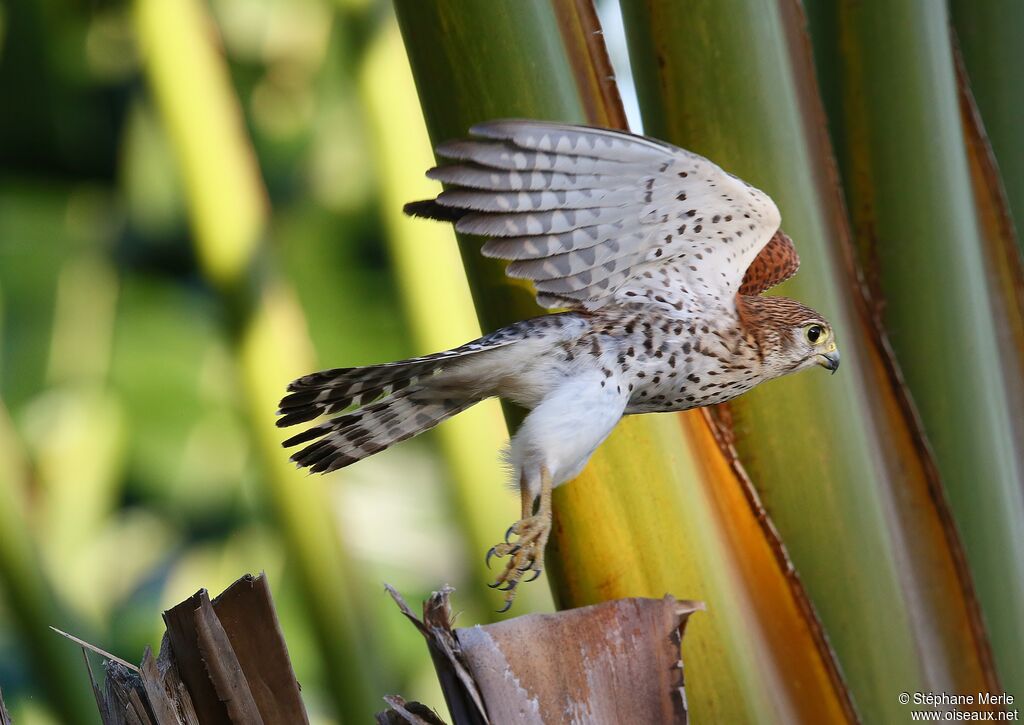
pixel 393 402
pixel 366 376
pixel 398 400
pixel 351 387
pixel 349 438
pixel 331 391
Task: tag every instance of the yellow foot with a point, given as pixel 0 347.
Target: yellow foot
pixel 527 554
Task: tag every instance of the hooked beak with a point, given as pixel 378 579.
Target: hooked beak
pixel 829 360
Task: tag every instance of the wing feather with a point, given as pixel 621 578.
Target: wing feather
pixel 543 245
pixel 527 201
pixel 570 263
pixel 572 140
pixel 507 156
pixel 594 216
pixel 475 176
pixel 555 221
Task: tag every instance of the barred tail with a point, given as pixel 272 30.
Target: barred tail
pixel 398 400
pixel 392 402
pixel 333 391
pixel 361 433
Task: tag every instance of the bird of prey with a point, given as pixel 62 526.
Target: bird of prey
pixel 658 258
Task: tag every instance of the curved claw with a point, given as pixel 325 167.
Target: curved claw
pixel 508 533
pixel 487 559
pixel 536 575
pixel 508 606
pixel 508 585
pixel 495 585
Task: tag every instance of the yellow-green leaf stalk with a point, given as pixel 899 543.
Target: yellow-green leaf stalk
pixel 641 520
pixel 838 461
pixel 438 306
pixel 901 146
pixel 228 209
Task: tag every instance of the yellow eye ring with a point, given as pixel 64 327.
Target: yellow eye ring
pixel 815 334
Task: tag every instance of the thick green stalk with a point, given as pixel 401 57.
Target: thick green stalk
pixel 644 518
pixel 438 305
pixel 901 145
pixel 837 460
pixel 228 210
pixel 530 79
pixel 990 36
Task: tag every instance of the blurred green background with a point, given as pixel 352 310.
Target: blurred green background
pixel 200 200
pixel 131 473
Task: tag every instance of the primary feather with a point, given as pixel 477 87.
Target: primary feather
pixel 602 213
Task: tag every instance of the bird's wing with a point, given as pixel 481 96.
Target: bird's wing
pixel 594 216
pixel 776 263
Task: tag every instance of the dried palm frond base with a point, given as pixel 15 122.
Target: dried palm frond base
pixel 225 661
pixel 221 661
pixel 613 662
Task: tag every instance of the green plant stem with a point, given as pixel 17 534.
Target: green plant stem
pixel 30 598
pixel 228 205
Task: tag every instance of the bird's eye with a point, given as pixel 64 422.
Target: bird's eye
pixel 814 333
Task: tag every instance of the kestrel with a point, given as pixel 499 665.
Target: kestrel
pixel 660 258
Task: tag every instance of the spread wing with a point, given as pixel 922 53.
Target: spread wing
pixel 593 216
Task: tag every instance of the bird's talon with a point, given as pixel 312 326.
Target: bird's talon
pixel 525 552
pixel 508 606
pixel 487 559
pixel 535 577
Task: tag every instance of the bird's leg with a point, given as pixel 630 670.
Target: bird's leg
pixel 527 551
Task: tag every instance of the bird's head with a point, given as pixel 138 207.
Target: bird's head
pixel 790 336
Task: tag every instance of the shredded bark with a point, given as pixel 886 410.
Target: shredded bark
pixel 221 661
pixel 618 661
pixel 400 712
